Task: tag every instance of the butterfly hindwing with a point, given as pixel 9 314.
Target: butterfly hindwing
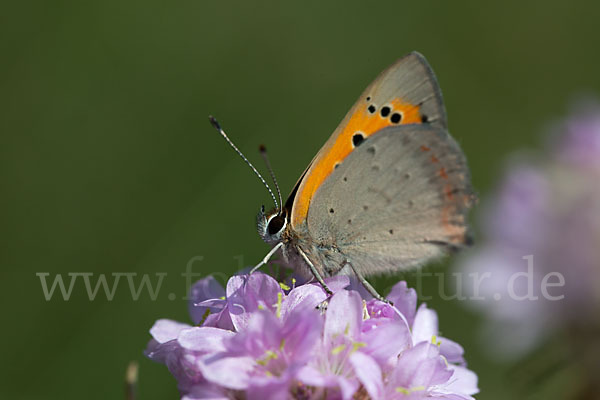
pixel 398 200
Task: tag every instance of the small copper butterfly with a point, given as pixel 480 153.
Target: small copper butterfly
pixel 388 191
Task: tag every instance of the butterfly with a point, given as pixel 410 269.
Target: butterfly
pixel 389 190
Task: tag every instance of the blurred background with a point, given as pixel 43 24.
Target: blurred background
pixel 109 164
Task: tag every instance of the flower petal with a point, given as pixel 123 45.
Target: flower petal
pixel 220 320
pixel 301 333
pixel 262 333
pixel 405 300
pixel 425 325
pixel 269 388
pixel 309 296
pixel 313 377
pixel 204 290
pixel 344 315
pixel 387 341
pixel 452 351
pixel 204 339
pixel 463 381
pixel 336 283
pixel 205 391
pixel 229 372
pixel 369 374
pixel 248 293
pixel 420 366
pixel 165 330
pixel 347 386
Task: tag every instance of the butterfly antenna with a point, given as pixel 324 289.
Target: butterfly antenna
pixel 217 126
pixel 263 153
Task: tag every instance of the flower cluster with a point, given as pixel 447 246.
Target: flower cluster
pixel 259 339
pixel 547 210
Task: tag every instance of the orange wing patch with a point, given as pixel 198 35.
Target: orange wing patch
pixel 363 123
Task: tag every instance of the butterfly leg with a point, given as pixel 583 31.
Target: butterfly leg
pixel 366 284
pixel 267 258
pixel 315 272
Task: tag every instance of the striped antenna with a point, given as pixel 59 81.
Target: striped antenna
pixel 217 126
pixel 263 153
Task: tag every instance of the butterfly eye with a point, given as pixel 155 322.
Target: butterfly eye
pixel 276 224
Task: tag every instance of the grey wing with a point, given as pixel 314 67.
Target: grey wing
pixel 398 200
pixel 411 79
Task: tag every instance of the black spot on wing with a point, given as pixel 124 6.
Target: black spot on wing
pixel 396 118
pixel 357 139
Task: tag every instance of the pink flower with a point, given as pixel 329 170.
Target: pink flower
pixel 269 344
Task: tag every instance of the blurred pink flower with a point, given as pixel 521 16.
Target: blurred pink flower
pixel 540 246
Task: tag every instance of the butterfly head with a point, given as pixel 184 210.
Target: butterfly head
pixel 271 225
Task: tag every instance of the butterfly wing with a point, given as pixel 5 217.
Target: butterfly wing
pixel 405 93
pixel 399 199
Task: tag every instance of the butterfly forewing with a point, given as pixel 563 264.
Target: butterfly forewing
pixel 405 93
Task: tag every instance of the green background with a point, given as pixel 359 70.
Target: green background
pixel 108 163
